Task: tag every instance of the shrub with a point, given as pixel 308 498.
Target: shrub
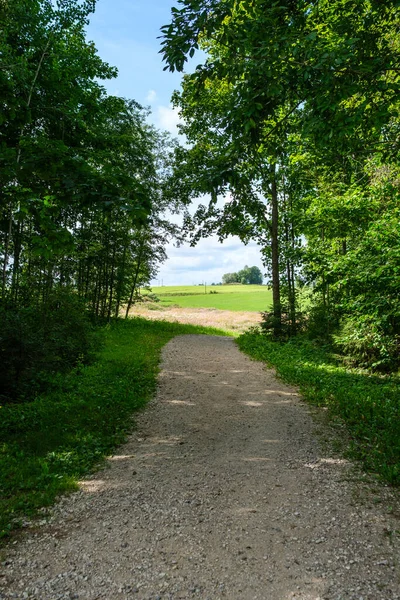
pixel 321 323
pixel 367 344
pixel 151 298
pixel 38 341
pixel 285 326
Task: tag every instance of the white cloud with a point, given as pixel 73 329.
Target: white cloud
pixel 168 118
pixel 208 261
pixel 228 198
pixel 151 96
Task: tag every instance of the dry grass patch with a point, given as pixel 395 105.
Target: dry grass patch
pixel 233 322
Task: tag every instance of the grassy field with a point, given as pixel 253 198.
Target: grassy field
pixel 254 298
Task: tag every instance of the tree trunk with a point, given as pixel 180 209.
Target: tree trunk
pixel 6 254
pixel 135 279
pixel 276 291
pixel 16 265
pixel 323 274
pixel 120 284
pixel 293 292
pixel 112 277
pixel 10 222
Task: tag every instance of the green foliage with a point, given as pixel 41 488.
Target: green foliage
pixel 367 404
pixel 321 323
pixel 49 443
pixel 284 327
pixel 364 341
pixel 355 265
pixel 295 112
pixel 337 58
pixel 82 172
pixel 38 341
pixel 246 276
pixel 82 177
pixel 230 278
pixel 250 276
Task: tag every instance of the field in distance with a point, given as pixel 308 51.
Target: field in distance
pixel 255 298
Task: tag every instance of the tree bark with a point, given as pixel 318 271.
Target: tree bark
pixel 10 222
pixel 276 290
pixel 121 278
pixel 112 277
pixel 135 279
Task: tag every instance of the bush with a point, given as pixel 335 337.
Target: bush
pixel 284 328
pixel 321 323
pixel 38 341
pixel 367 344
pixel 150 298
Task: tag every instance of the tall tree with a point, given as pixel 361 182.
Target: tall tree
pixel 320 75
pixel 82 188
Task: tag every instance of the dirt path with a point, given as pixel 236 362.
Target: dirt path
pixel 223 492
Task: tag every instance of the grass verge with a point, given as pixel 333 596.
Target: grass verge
pixel 48 444
pixel 368 404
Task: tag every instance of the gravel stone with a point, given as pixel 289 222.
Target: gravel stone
pixel 225 491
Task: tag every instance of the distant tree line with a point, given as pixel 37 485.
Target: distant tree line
pixel 247 276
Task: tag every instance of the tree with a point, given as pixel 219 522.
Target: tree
pixel 224 159
pixel 320 76
pixel 250 275
pixel 338 59
pixel 230 278
pixel 247 275
pixel 83 188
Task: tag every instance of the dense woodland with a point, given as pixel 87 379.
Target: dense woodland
pixel 82 201
pixel 293 119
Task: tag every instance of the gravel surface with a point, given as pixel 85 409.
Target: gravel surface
pixel 224 491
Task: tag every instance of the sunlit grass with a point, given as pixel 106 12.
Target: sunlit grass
pixel 235 297
pixel 253 298
pixel 256 302
pixel 204 290
pixel 368 404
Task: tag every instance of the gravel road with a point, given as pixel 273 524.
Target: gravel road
pixel 223 491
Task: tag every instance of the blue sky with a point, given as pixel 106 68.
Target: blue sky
pixel 125 33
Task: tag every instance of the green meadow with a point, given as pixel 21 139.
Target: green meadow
pixel 255 298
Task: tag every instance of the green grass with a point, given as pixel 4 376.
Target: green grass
pixel 48 444
pixel 254 298
pixel 368 404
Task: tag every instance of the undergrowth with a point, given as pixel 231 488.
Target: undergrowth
pixel 368 404
pixel 48 444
